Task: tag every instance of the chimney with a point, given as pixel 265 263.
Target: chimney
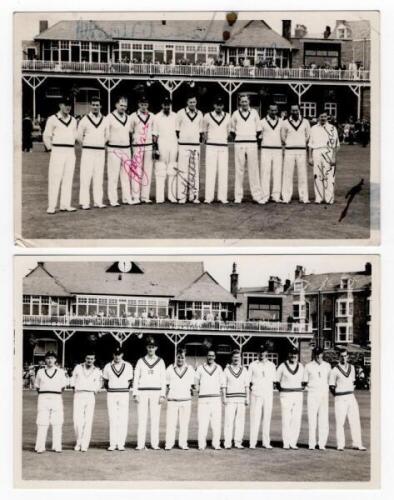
pixel 43 26
pixel 274 283
pixel 327 33
pixel 286 28
pixel 299 272
pixel 368 269
pixel 300 31
pixel 163 22
pixel 287 285
pixel 234 280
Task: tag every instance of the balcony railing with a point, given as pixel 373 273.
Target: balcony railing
pixel 195 71
pixel 167 324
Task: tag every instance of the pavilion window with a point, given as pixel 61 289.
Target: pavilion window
pixel 26 304
pixel 122 307
pixel 112 307
pixel 85 52
pixel 64 51
pixel 92 306
pixel 201 55
pixel 102 307
pixel 62 307
pixel 191 53
pixel 137 52
pixel 44 306
pixel 179 53
pixel 95 51
pixel 103 53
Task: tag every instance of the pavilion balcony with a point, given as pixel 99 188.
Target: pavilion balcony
pixel 193 71
pixel 164 324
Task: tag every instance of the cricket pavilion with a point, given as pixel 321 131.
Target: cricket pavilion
pixel 70 307
pixel 171 57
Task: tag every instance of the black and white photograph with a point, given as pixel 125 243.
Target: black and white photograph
pixel 227 370
pixel 193 128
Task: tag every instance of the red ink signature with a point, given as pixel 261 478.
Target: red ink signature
pixel 134 167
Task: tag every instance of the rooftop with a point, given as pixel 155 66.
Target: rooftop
pixel 164 279
pixel 243 33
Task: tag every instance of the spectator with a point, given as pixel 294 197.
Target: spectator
pixel 27 129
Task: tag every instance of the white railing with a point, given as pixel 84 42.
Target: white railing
pixel 167 324
pixel 196 71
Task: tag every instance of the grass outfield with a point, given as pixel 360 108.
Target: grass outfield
pixel 246 221
pixel 192 465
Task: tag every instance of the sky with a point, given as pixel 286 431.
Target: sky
pixel 253 270
pixel 315 21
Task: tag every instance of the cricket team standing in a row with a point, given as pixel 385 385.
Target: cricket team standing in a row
pixel 169 144
pixel 235 387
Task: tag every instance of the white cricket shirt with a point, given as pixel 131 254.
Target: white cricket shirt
pixel 262 375
pixel 236 381
pixel 245 125
pixel 271 133
pixel 118 130
pixel 164 127
pixel 210 379
pixel 60 132
pixel 217 128
pixel 323 137
pixel 50 381
pixel 86 380
pixel 190 126
pixel 141 125
pixel 150 375
pixel 180 382
pixel 317 375
pixel 118 376
pixel 290 377
pixel 296 133
pixel 92 131
pixel 343 379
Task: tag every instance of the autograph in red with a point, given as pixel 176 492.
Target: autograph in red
pixel 134 167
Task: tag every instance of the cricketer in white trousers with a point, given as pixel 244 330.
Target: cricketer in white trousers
pixel 141 174
pixel 148 400
pixel 323 175
pixel 234 420
pixel 118 414
pixel 317 402
pixel 188 174
pixel 92 169
pixel 291 406
pixel 178 410
pixel 258 405
pixel 83 411
pixel 60 176
pixel 346 406
pixel 295 158
pixel 49 412
pixel 247 152
pixel 216 165
pixel 209 412
pixel 271 162
pixel 165 167
pixel 118 165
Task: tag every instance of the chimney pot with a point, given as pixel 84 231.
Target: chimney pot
pixel 286 28
pixel 43 25
pixel 368 269
pixel 234 280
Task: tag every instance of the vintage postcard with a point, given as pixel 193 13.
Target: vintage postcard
pixel 205 128
pixel 209 371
